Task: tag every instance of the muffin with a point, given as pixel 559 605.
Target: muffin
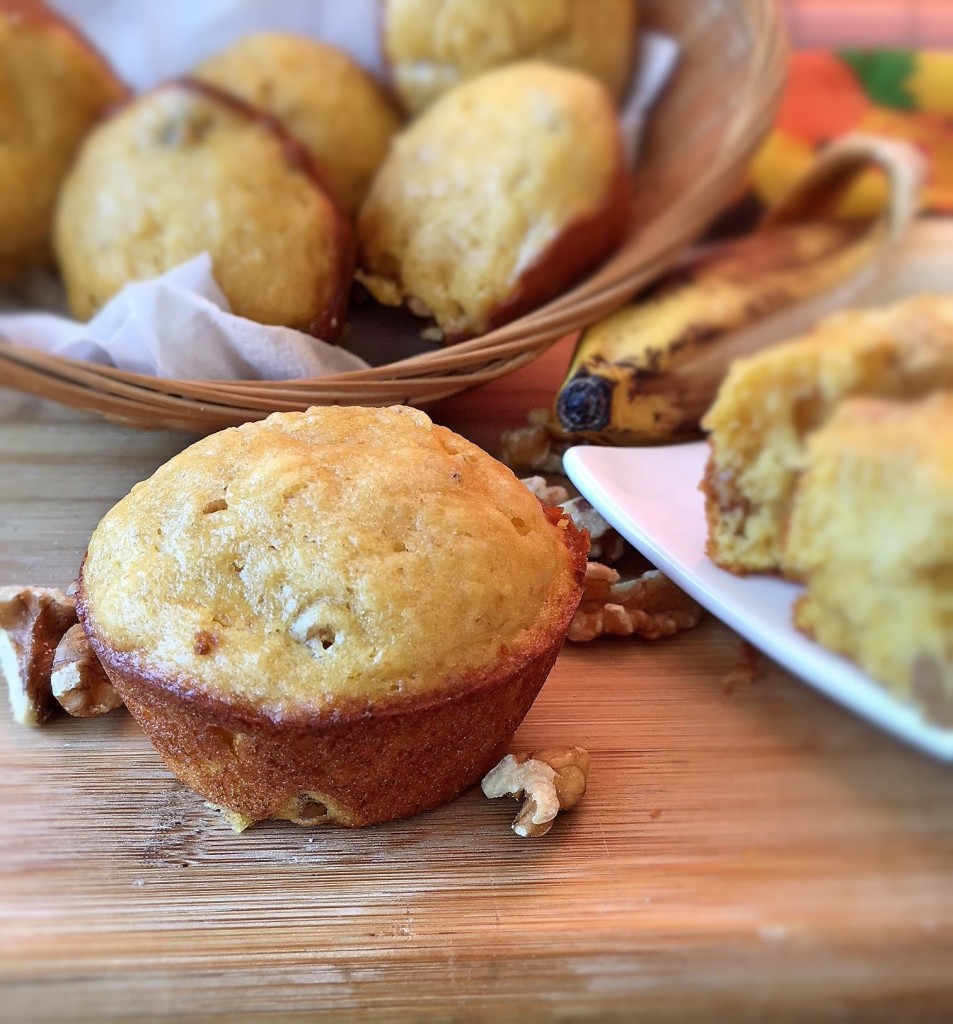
pixel 53 88
pixel 323 98
pixel 770 403
pixel 186 169
pixel 496 199
pixel 335 615
pixel 433 45
pixel 871 534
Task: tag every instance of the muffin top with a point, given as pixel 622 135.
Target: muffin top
pixel 327 559
pixel 323 97
pixel 53 87
pixel 433 45
pixel 478 190
pixel 186 169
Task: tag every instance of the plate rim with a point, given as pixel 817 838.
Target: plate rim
pixel 829 673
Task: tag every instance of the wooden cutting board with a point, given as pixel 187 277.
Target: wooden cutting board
pixel 746 850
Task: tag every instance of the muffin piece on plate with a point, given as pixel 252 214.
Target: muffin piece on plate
pixel 323 98
pixel 53 87
pixel 496 199
pixel 770 403
pixel 334 615
pixel 186 169
pixel 433 45
pixel 871 534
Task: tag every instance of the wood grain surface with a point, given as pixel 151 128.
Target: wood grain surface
pixel 745 851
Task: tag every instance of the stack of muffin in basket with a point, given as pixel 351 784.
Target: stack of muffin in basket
pixel 285 161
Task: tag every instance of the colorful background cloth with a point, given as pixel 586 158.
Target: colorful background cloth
pixel 897 93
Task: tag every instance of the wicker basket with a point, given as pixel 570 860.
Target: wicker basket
pixel 701 135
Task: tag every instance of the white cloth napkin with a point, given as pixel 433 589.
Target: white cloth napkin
pixel 180 325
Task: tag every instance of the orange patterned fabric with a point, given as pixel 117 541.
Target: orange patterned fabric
pixel 898 93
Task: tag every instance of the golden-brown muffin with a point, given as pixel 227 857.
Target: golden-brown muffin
pixel 433 45
pixel 343 613
pixel 186 169
pixel 496 199
pixel 871 534
pixel 53 88
pixel 770 403
pixel 323 98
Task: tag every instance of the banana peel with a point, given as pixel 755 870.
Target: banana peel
pixel 648 372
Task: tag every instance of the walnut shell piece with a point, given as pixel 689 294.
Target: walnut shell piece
pixel 532 447
pixel 604 543
pixel 78 679
pixel 547 781
pixel 549 495
pixel 650 606
pixel 32 623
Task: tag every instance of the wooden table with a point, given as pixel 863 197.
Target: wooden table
pixel 746 852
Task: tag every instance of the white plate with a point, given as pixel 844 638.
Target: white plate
pixel 651 496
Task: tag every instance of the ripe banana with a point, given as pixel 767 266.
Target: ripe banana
pixel 649 372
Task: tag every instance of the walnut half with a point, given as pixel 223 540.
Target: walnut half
pixel 650 606
pixel 547 781
pixel 604 542
pixel 32 622
pixel 78 680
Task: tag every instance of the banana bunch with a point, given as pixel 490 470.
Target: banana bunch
pixel 649 372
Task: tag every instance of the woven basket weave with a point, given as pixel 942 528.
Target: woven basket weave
pixel 700 137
